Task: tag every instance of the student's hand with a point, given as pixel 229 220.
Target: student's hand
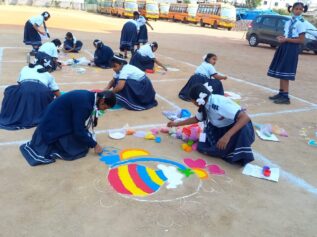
pixel 171 124
pixel 152 28
pixel 223 142
pixel 281 39
pixel 225 78
pixel 98 149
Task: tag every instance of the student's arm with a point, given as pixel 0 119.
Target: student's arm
pixel 110 84
pixel 242 120
pixel 160 64
pixel 299 40
pixel 57 93
pixel 189 121
pixel 149 25
pixel 37 28
pixel 219 77
pixel 119 86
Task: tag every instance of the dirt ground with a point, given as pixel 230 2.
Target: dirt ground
pixel 75 198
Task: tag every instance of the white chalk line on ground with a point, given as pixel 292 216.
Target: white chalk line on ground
pixel 175 106
pixel 291 178
pixel 246 82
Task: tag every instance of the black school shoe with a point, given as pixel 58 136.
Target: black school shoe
pixel 282 100
pixel 275 97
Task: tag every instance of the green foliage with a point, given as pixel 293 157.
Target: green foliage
pixel 186 1
pixel 253 3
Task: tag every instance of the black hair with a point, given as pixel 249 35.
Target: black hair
pixel 47 65
pixel 46 15
pixel 109 97
pixel 136 13
pixel 194 92
pixel 209 56
pixel 110 100
pixel 290 7
pixel 118 59
pixel 98 43
pixel 154 44
pixel 57 42
pixel 69 35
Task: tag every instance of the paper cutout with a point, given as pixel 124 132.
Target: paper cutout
pixel 215 169
pixel 312 143
pixel 202 174
pixel 267 137
pixel 257 171
pixel 198 163
pixel 187 172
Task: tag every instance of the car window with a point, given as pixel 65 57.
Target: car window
pixel 281 23
pixel 269 22
pixel 258 19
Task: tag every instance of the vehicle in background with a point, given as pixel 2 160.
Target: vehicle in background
pixel 178 12
pixel 164 10
pixel 124 8
pixel 216 15
pixel 192 12
pixel 251 14
pixel 149 9
pixel 106 7
pixel 265 29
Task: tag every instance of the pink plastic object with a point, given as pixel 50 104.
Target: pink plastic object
pixel 154 131
pixel 194 146
pixel 164 130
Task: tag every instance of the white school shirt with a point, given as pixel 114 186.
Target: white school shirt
pixel 46 78
pixel 135 23
pixel 129 72
pixel 74 40
pixel 146 51
pixel 38 20
pixel 297 29
pixel 206 69
pixel 141 21
pixel 50 49
pixel 221 111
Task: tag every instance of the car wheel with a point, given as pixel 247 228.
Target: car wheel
pixel 215 25
pixel 273 46
pixel 229 29
pixel 253 41
pixel 315 52
pixel 202 24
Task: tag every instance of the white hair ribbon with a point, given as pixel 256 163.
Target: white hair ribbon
pixel 209 88
pixel 45 14
pixel 201 99
pixel 47 63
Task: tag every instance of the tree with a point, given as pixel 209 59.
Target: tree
pixel 253 3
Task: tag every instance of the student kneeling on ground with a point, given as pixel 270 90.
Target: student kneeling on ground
pixel 134 90
pixel 49 51
pixel 144 58
pixel 66 130
pixel 103 55
pixel 228 132
pixel 24 104
pixel 71 44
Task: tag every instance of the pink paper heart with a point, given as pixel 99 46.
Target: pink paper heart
pixel 199 163
pixel 215 169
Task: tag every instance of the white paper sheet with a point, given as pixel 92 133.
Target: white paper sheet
pixel 256 171
pixel 272 137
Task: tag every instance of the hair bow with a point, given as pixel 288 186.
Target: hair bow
pixel 201 99
pixel 209 88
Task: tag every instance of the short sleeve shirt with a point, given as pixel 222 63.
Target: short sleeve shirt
pixel 141 21
pixel 129 72
pixel 146 51
pixel 296 28
pixel 38 20
pixel 45 78
pixel 206 69
pixel 50 49
pixel 221 111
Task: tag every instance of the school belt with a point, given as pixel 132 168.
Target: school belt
pixel 32 80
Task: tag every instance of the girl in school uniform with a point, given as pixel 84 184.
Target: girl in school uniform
pixel 66 130
pixel 103 55
pixel 144 58
pixel 49 51
pixel 134 90
pixel 206 72
pixel 228 132
pixel 32 32
pixel 23 104
pixel 284 63
pixel 129 35
pixel 71 44
pixel 143 35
